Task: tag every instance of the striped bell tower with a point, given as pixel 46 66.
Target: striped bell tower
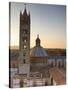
pixel 24 43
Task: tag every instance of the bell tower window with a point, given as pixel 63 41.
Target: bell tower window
pixel 24 54
pixel 25 31
pixel 25 47
pixel 25 21
pixel 24 40
pixel 24 61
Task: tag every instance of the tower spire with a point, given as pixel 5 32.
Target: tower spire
pixel 25 12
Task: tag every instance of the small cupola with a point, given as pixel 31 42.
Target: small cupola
pixel 37 41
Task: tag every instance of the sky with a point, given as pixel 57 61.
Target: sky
pixel 49 21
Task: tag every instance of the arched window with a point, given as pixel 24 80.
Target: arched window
pixel 59 64
pixel 21 83
pixel 24 54
pixel 52 81
pixel 46 83
pixel 24 61
pixel 52 64
pixel 25 22
pixel 25 31
pixel 24 47
pixel 24 39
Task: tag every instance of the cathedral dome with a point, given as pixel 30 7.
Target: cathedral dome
pixel 38 51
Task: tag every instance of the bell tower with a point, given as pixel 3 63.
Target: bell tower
pixel 24 43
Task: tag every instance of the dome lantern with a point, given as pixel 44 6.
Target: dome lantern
pixel 38 41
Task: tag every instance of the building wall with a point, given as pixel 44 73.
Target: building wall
pixel 43 60
pixel 59 62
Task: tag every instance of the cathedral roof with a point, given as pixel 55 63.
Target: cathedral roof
pixel 38 51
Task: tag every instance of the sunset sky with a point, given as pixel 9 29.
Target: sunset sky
pixel 49 21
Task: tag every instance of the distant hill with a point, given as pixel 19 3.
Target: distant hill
pixel 51 52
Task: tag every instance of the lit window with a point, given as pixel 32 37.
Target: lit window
pixel 25 46
pixel 25 40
